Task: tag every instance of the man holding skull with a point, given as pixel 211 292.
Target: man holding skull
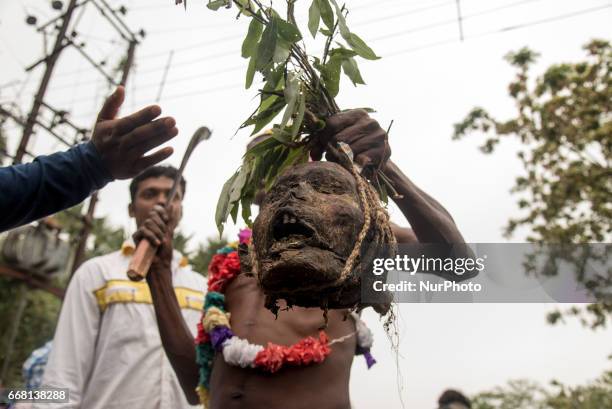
pixel 306 229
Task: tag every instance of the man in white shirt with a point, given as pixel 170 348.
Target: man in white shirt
pixel 107 349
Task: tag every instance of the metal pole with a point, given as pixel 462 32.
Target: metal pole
pixel 460 20
pixel 42 89
pixel 79 254
pixel 163 82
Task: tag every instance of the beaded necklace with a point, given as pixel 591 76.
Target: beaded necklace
pixel 215 334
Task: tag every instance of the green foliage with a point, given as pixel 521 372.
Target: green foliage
pixel 565 127
pixel 201 257
pixel 564 123
pixel 299 86
pixel 42 308
pixel 522 394
pixel 37 325
pixel 106 238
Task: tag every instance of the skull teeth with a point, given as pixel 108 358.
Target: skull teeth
pixel 287 219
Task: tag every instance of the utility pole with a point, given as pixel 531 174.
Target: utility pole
pixel 50 60
pixel 62 41
pixel 460 19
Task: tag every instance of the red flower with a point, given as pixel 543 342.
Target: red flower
pixel 271 358
pixel 232 263
pixel 203 336
pixel 222 269
pixel 306 356
pixel 292 356
pixel 215 285
pixel 213 267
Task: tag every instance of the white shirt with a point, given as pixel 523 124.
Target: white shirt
pixel 107 350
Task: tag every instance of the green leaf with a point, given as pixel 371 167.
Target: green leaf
pixel 344 31
pixel 352 39
pixel 281 52
pixel 249 45
pixel 245 203
pixel 267 103
pixel 273 80
pixel 216 4
pixel 235 191
pixel 342 52
pixel 263 118
pixel 287 31
pixel 327 15
pixel 350 68
pixel 260 149
pixel 245 6
pixel 223 203
pixel 297 121
pixel 314 16
pixel 234 211
pixel 296 155
pixel 291 91
pixel 251 71
pixel 361 47
pixel 326 32
pixel 276 158
pixel 330 74
pixel 267 45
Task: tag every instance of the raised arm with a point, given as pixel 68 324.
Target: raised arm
pixel 55 182
pixel 430 221
pixel 177 341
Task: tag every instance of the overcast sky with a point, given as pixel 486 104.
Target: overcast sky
pixel 426 81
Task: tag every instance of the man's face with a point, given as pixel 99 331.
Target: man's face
pixel 306 228
pixel 155 191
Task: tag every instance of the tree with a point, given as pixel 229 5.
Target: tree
pixel 201 257
pixel 523 394
pixel 564 123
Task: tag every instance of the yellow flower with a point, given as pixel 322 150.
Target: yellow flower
pixel 127 248
pixel 214 317
pixel 203 394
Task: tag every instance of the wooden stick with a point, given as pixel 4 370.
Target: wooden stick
pixel 141 260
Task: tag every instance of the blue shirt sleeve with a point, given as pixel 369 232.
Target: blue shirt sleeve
pixel 49 184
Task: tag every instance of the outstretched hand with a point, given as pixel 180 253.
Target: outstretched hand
pixel 123 142
pixel 363 134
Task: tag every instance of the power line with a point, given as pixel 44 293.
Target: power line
pixel 403 14
pixel 450 21
pixel 431 45
pixel 502 30
pixel 418 48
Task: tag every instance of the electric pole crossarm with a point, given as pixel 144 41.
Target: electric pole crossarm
pixel 44 83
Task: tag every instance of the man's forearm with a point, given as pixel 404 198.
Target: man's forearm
pixel 49 184
pixel 175 336
pixel 429 219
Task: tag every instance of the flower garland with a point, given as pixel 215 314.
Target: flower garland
pixel 215 334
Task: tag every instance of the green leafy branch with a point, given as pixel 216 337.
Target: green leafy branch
pixel 299 86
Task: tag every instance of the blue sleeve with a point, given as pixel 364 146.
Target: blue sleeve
pixel 49 184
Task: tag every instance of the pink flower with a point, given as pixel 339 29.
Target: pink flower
pixel 244 237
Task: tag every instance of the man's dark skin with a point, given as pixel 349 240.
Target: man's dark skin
pixel 123 142
pixel 324 386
